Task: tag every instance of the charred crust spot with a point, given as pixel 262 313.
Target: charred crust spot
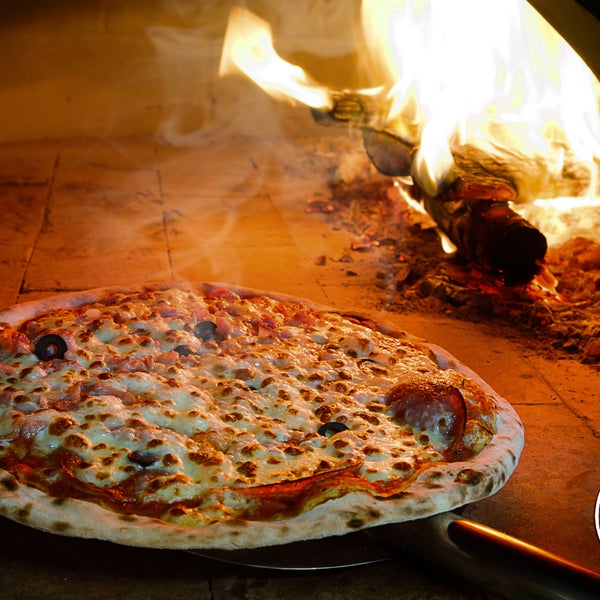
pixel 59 501
pixel 316 377
pixel 373 514
pixel 60 425
pixel 168 460
pixel 423 438
pixel 144 459
pixel 355 523
pixel 23 513
pixel 341 387
pixel 369 418
pixel 76 441
pixel 9 483
pixel 250 449
pixel 266 381
pixel 402 466
pixel 325 412
pixel 293 450
pixel 402 494
pixel 248 469
pixel 61 526
pixel 432 485
pixel 154 486
pixel 154 442
pixel 339 444
pixel 283 394
pixel 233 417
pixel 243 373
pixel 128 518
pixel 469 477
pixel 136 423
pixel 203 458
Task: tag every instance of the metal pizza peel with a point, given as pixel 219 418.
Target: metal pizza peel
pixel 480 554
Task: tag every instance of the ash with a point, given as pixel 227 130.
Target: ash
pixel 559 310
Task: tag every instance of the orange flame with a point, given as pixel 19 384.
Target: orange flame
pixel 248 47
pixel 489 73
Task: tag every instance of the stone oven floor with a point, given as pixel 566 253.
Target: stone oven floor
pixel 84 214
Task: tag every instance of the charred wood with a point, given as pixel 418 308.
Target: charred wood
pixel 348 110
pixel 492 235
pixel 473 211
pixel 472 208
pixel 390 155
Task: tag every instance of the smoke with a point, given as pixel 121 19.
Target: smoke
pixel 188 43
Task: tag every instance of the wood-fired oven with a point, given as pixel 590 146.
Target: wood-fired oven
pixel 127 156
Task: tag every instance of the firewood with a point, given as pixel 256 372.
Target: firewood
pixel 492 235
pixel 471 207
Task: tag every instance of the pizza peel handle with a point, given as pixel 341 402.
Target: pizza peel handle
pixel 495 561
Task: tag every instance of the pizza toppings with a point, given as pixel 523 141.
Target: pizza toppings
pixel 205 330
pixel 432 406
pixel 50 346
pixel 201 405
pixel 331 428
pixel 143 459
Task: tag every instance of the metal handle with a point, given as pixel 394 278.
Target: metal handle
pixel 493 560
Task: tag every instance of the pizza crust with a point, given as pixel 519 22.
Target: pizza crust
pixel 439 488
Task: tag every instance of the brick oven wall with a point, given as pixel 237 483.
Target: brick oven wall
pixel 120 68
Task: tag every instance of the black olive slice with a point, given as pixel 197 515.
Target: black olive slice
pixel 183 350
pixel 205 330
pixel 50 346
pixel 331 428
pixel 144 459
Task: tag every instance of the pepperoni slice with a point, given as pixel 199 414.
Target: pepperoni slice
pixel 431 406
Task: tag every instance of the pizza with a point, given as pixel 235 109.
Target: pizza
pixel 209 416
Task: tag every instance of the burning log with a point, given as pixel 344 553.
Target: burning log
pixel 492 235
pixel 472 209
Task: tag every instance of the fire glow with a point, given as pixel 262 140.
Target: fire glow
pixel 487 74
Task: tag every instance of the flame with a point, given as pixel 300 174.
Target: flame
pixel 488 73
pixel 248 47
pixel 563 218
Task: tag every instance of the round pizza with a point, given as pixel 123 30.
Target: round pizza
pixel 209 416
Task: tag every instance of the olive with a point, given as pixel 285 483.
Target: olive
pixel 205 330
pixel 183 350
pixel 144 459
pixel 331 428
pixel 50 346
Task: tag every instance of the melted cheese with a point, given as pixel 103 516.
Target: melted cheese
pixel 240 410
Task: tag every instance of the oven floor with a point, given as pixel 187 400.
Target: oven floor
pixel 83 214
